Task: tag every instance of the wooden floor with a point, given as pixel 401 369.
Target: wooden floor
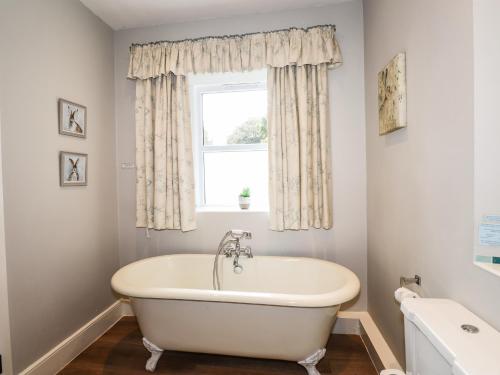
pixel 120 351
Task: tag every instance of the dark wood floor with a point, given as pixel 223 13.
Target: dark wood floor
pixel 120 351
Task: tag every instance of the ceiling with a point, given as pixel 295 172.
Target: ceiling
pixel 126 14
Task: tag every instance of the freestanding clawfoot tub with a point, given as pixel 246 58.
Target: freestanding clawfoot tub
pixel 277 307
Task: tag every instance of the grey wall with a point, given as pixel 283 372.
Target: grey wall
pixel 346 243
pixel 61 243
pixel 487 113
pixel 5 346
pixel 420 180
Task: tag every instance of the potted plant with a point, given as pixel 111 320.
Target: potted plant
pixel 245 198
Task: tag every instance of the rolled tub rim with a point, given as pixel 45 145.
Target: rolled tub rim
pixel 347 292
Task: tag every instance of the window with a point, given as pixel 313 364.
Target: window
pixel 231 143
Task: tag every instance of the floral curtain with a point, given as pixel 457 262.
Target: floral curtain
pixel 164 158
pixel 297 62
pixel 236 53
pixel 299 159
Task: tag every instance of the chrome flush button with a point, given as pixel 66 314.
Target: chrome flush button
pixel 469 328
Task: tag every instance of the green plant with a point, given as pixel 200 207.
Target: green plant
pixel 245 193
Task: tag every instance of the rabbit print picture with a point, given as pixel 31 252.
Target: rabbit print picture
pixel 73 169
pixel 72 119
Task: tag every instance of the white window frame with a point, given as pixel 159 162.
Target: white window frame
pixel 199 148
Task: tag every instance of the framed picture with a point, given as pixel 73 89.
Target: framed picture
pixel 392 95
pixel 72 119
pixel 73 169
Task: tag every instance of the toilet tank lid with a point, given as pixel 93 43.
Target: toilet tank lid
pixel 441 320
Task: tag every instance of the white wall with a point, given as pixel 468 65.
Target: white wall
pixel 61 242
pixel 487 114
pixel 346 243
pixel 420 180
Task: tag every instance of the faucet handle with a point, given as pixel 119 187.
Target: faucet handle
pixel 247 250
pixel 229 248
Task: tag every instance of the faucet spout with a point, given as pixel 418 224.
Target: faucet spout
pixel 236 260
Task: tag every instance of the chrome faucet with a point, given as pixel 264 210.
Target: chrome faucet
pixel 246 251
pixel 229 246
pixel 233 247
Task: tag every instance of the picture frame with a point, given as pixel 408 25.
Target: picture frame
pixel 73 169
pixel 72 119
pixel 392 95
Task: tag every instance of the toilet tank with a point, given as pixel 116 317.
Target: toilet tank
pixel 441 339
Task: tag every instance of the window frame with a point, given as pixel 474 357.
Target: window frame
pixel 200 148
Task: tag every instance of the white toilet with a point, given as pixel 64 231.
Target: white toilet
pixel 444 338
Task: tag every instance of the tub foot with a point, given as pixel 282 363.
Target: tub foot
pixel 310 362
pixel 156 353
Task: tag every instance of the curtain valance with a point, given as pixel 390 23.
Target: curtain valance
pixel 236 53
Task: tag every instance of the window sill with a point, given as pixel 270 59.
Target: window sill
pixel 490 267
pixel 230 209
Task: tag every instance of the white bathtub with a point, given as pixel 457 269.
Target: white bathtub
pixel 278 307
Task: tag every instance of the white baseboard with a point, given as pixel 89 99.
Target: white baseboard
pixel 57 358
pixel 348 322
pixel 127 308
pixel 380 352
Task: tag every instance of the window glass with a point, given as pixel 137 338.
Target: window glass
pixel 228 172
pixel 234 117
pixel 230 133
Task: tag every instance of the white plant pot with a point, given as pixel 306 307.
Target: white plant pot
pixel 244 203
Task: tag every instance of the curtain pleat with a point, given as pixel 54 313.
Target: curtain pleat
pixel 236 53
pixel 164 157
pixel 299 159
